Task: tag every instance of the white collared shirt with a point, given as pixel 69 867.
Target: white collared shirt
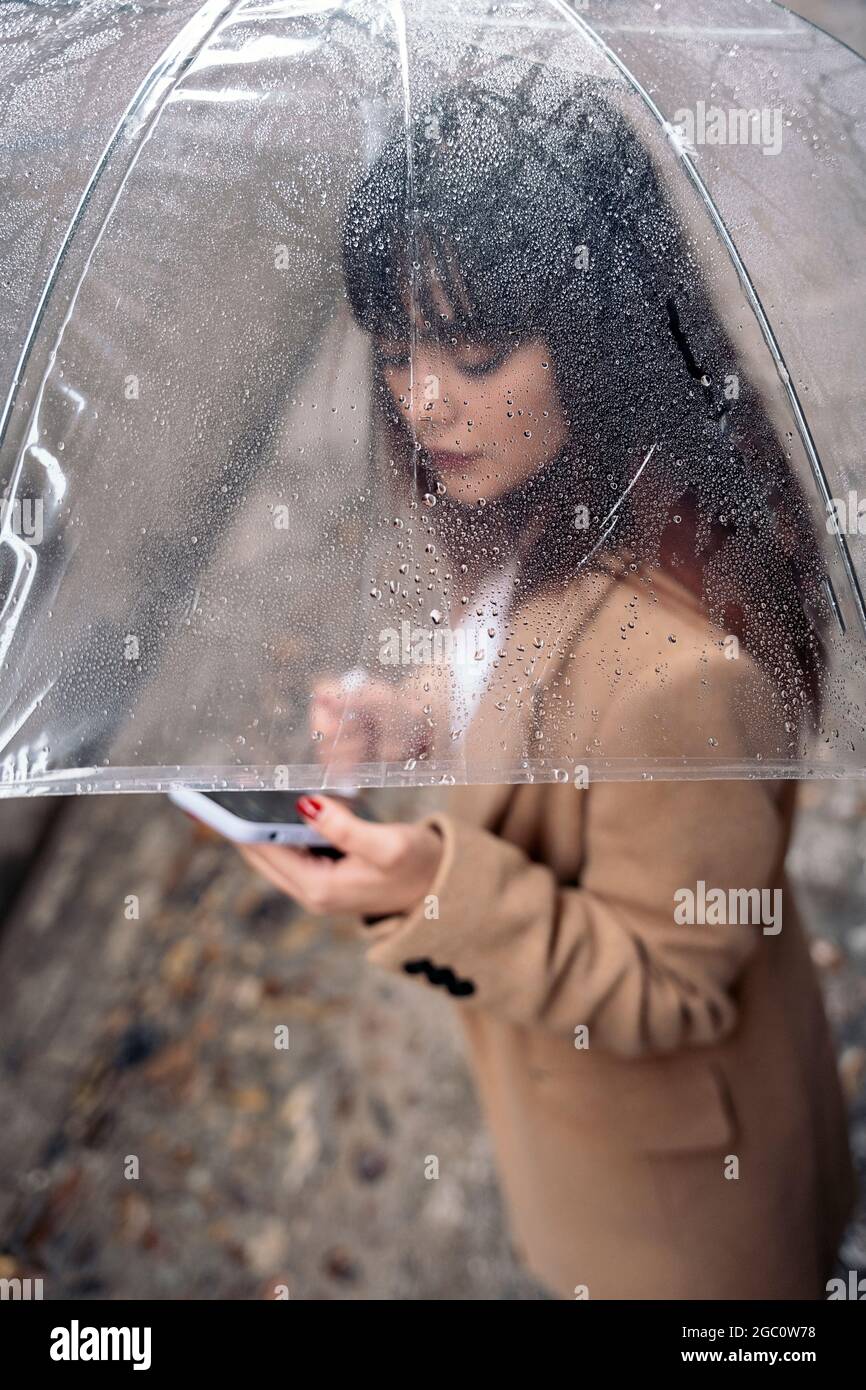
pixel 476 639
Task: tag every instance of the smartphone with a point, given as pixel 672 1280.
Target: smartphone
pixel 258 818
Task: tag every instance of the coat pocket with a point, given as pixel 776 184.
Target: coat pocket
pixel 676 1104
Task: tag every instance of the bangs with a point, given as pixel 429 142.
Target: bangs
pixel 419 283
pixel 458 249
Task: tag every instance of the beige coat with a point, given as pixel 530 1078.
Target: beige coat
pixel 663 1098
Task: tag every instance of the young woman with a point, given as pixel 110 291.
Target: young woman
pixel 659 1080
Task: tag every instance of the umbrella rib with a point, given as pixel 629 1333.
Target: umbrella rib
pixel 751 293
pixel 167 70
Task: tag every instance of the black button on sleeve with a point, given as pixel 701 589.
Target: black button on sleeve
pixel 462 987
pixel 440 975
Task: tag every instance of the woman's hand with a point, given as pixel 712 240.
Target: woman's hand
pixel 374 721
pixel 385 869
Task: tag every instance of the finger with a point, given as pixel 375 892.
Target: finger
pixel 320 885
pixel 327 688
pixel 349 832
pixel 342 757
pixel 350 885
pixel 371 697
pixel 341 727
pixel 278 864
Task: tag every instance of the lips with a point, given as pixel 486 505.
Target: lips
pixel 445 460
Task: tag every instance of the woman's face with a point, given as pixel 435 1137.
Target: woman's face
pixel 486 415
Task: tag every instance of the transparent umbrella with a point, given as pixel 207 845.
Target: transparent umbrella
pixel 401 392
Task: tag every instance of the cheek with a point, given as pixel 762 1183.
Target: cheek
pixel 534 404
pixel 540 394
pixel 397 382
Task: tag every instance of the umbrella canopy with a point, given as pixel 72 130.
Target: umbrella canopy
pixel 402 392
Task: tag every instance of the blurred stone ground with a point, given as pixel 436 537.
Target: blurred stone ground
pixel 844 19
pixel 152 1039
pixel 827 862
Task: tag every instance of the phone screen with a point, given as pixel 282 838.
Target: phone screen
pixel 264 808
pixel 274 808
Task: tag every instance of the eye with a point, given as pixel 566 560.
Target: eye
pixel 481 359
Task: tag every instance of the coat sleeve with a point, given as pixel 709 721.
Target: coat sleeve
pixel 501 933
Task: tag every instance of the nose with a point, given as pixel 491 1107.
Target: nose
pixel 434 403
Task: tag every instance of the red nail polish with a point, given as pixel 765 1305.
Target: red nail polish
pixel 309 806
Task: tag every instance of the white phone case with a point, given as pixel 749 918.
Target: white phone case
pixel 236 828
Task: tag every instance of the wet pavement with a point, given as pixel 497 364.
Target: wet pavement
pixel 159 1041
pixel 207 1094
